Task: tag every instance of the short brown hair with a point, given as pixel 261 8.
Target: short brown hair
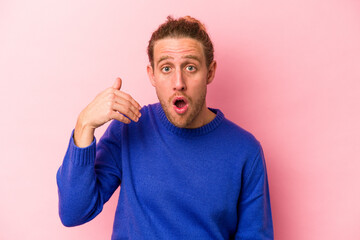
pixel 182 27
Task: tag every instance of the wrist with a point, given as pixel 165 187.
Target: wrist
pixel 83 134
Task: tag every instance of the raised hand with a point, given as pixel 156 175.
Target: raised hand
pixel 107 105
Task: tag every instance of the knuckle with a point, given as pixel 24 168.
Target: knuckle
pixel 108 91
pixel 128 104
pixel 123 119
pixel 110 106
pixel 128 111
pixel 111 95
pixel 128 97
pixel 134 108
pixel 109 114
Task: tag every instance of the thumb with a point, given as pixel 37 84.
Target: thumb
pixel 117 83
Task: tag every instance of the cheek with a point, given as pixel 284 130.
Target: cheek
pixel 161 84
pixel 164 82
pixel 199 83
pixel 161 79
pixel 162 90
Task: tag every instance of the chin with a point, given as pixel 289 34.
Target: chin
pixel 185 120
pixel 179 121
pixel 180 124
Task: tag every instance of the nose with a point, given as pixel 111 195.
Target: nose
pixel 179 83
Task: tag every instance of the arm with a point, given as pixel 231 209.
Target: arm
pixel 255 220
pixel 89 173
pixel 86 180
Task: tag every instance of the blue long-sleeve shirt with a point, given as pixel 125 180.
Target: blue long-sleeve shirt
pixel 176 183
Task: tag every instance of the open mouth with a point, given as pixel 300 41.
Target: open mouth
pixel 180 105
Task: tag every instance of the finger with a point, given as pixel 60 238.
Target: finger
pixel 127 110
pixel 117 84
pixel 128 98
pixel 127 104
pixel 117 116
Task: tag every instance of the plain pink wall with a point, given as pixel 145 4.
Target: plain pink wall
pixel 288 71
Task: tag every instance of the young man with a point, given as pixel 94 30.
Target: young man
pixel 186 172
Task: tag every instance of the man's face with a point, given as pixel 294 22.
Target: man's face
pixel 180 77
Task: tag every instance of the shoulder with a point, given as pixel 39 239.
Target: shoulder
pixel 147 116
pixel 240 139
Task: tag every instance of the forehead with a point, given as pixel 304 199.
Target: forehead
pixel 177 48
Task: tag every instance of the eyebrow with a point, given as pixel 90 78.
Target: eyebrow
pixel 164 58
pixel 186 56
pixel 193 57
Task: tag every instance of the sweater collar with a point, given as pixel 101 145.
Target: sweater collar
pixel 187 132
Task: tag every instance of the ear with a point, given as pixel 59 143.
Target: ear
pixel 211 72
pixel 150 73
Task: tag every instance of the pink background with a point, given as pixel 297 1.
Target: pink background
pixel 288 71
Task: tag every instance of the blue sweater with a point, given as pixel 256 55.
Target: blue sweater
pixel 176 183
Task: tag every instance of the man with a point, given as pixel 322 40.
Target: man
pixel 186 172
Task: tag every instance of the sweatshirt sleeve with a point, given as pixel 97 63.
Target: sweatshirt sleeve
pixel 254 211
pixel 87 178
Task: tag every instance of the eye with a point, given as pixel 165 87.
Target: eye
pixel 165 69
pixel 190 68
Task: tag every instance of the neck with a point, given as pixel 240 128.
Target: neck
pixel 203 118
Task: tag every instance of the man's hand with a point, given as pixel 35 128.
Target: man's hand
pixel 109 104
